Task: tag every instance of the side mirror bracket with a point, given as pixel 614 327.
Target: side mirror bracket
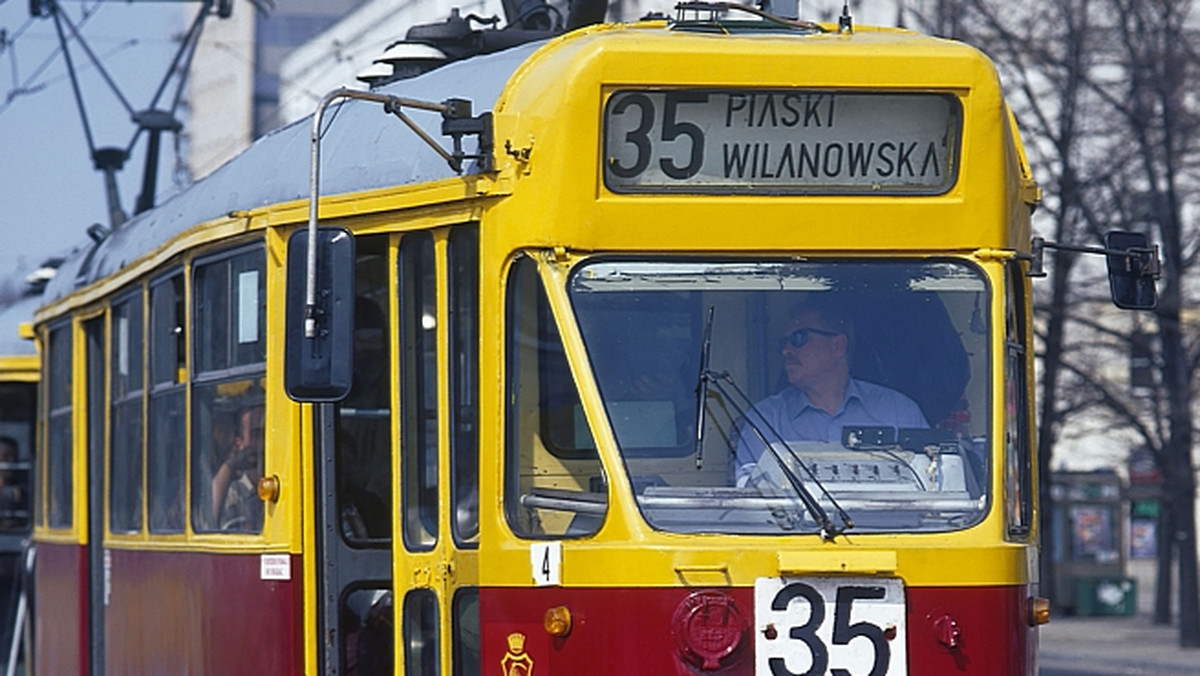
pixel 1133 266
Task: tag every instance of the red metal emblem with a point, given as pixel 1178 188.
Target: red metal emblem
pixel 708 627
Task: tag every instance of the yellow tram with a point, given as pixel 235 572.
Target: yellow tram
pixel 714 357
pixel 19 369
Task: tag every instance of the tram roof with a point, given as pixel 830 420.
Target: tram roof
pixel 362 149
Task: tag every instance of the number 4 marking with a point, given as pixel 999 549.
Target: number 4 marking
pixel 545 560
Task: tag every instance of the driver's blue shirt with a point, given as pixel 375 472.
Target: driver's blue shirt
pixel 795 418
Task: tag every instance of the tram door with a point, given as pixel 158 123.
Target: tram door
pixel 355 445
pixel 410 419
pixel 437 343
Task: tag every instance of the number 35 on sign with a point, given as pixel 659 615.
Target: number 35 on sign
pixel 833 626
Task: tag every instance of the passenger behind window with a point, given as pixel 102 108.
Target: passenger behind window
pixel 364 434
pixel 235 502
pixel 12 486
pixel 359 506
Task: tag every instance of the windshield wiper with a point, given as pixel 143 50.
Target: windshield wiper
pixel 702 385
pixel 829 531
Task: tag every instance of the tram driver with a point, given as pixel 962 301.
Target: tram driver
pixel 822 397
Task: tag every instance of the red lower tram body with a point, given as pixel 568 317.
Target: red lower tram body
pixel 214 614
pixel 168 613
pixel 688 632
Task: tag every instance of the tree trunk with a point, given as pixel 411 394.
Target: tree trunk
pixel 1165 564
pixel 1189 601
pixel 1179 480
pixel 1052 355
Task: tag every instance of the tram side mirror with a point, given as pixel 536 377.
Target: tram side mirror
pixel 320 368
pixel 1132 268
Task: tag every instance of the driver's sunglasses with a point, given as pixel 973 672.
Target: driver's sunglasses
pixel 799 337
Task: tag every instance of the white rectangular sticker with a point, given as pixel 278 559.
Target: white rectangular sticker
pixel 247 307
pixel 829 625
pixel 276 567
pixel 123 346
pixel 545 558
pixel 107 576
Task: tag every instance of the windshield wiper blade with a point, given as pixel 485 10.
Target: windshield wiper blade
pixel 702 385
pixel 829 531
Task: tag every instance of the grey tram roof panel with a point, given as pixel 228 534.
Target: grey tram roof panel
pixel 363 148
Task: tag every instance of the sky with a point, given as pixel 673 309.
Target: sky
pixel 50 194
pixel 49 191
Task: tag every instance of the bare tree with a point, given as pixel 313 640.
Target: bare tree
pixel 1100 87
pixel 1041 51
pixel 1159 57
pixel 1102 90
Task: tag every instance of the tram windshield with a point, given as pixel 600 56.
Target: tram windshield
pixel 788 397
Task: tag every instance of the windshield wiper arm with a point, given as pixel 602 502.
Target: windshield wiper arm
pixel 828 530
pixel 702 385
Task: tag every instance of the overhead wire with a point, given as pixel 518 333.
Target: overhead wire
pixel 188 48
pixel 79 103
pixel 95 61
pixel 184 55
pixel 27 88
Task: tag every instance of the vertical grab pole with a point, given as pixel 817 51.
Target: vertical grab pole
pixel 314 194
pixel 14 648
pixel 392 104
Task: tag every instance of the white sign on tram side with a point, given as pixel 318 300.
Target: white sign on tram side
pixel 781 141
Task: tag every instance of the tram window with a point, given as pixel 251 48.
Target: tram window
pixel 466 632
pixel 230 311
pixel 464 381
pixel 418 390
pixel 59 467
pixel 227 392
pixel 166 445
pixel 17 410
pixel 366 631
pixel 227 455
pixel 421 652
pixel 365 425
pixel 125 468
pixel 904 343
pixel 546 496
pixel 647 345
pixel 1018 476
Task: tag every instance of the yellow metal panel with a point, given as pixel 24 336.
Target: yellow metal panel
pixel 556 99
pixel 22 369
pixel 840 560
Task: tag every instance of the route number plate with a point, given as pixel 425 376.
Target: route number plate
pixel 829 627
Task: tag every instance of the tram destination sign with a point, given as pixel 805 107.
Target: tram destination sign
pixel 799 141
